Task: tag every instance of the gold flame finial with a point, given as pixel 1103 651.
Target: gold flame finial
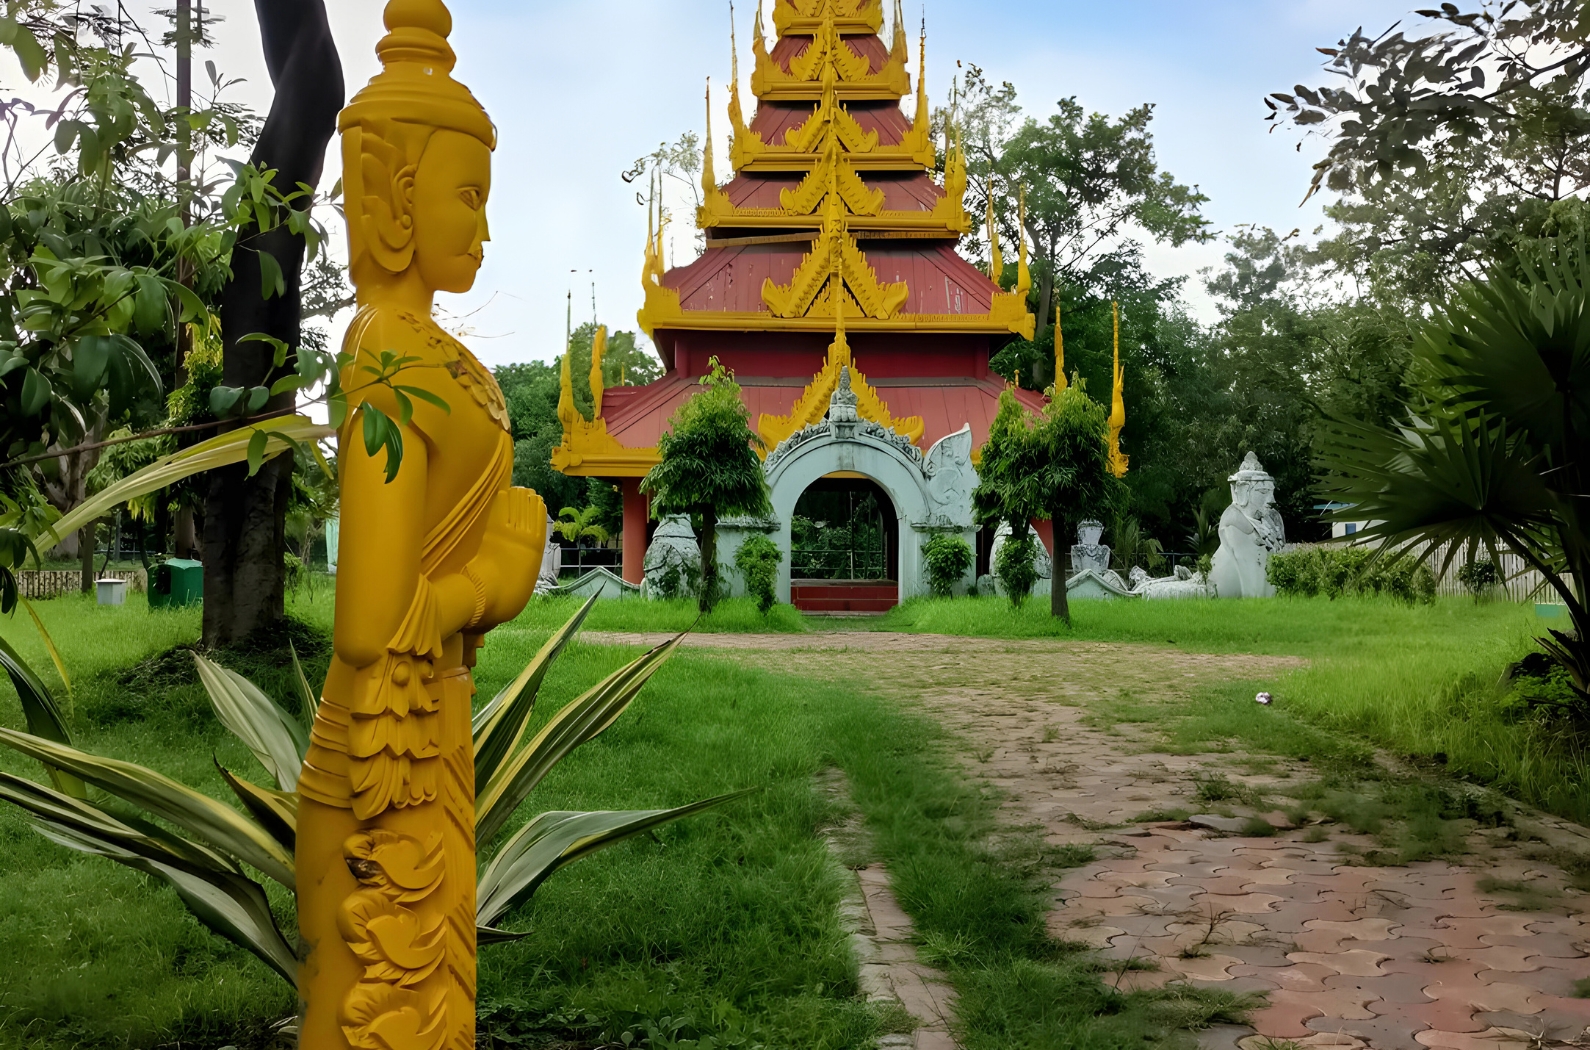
pixel 996 258
pixel 1118 461
pixel 709 176
pixel 1060 380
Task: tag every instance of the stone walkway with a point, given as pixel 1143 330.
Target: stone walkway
pixel 1390 958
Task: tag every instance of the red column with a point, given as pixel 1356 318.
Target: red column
pixel 636 507
pixel 1045 531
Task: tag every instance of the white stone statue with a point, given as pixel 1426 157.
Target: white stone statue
pixel 1040 558
pixel 673 560
pixel 1251 530
pixel 1088 552
pixel 1183 583
pixel 551 560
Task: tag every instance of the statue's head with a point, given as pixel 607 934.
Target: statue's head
pixel 416 153
pixel 1252 487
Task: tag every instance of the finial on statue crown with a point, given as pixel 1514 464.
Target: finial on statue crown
pixel 415 84
pixel 1251 470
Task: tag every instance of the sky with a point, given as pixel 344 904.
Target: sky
pixel 579 90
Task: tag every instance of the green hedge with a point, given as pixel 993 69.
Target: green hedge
pixel 1338 571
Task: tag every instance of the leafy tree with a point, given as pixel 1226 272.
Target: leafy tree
pixel 709 467
pixel 1054 465
pixel 1090 182
pixel 1451 146
pixel 245 512
pixel 1491 453
pixel 623 364
pixel 531 392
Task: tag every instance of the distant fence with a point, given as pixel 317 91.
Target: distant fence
pixel 39 584
pixel 1515 579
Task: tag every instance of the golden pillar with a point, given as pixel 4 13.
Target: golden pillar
pixel 431 558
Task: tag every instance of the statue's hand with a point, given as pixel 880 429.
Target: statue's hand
pixel 510 554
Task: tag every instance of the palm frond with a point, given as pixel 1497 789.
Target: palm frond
pixel 42 714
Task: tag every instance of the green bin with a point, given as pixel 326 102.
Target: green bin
pixel 176 582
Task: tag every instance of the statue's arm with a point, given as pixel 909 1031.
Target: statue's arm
pixel 383 530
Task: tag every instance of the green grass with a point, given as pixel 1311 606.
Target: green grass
pixel 721 931
pixel 1292 626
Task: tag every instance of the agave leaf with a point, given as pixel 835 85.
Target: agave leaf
pixel 485 935
pixel 576 723
pixel 499 726
pixel 142 838
pixel 43 716
pixel 231 904
pixel 308 699
pixel 49 645
pixel 220 451
pixel 277 740
pixel 554 839
pixel 277 811
pixel 217 825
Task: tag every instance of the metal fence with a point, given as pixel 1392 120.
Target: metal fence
pixel 39 584
pixel 838 564
pixel 580 560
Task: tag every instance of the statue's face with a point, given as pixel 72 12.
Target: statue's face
pixel 451 185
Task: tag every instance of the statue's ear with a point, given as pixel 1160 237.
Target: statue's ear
pixel 388 213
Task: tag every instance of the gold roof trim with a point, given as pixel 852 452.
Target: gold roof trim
pixel 812 405
pixel 805 17
pixel 828 51
pixel 834 266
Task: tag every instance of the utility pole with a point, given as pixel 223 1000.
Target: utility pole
pixel 187 539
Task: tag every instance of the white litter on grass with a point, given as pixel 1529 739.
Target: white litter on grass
pixel 1263 698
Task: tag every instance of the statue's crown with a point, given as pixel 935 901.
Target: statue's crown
pixel 415 84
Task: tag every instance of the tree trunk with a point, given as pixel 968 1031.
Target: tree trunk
pixel 709 559
pixel 1059 600
pixel 245 518
pixel 85 554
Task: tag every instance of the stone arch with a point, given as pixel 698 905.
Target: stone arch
pixel 892 468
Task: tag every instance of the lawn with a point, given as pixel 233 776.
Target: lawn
pixel 723 931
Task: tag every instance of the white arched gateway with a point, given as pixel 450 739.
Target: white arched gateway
pixel 931 493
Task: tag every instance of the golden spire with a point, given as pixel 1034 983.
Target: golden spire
pixel 1023 274
pixel 1118 461
pixel 901 49
pixel 567 412
pixel 1060 380
pixel 758 41
pixel 736 114
pixel 920 119
pixel 996 258
pixel 596 380
pixel 709 179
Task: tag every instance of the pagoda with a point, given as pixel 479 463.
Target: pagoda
pixel 830 271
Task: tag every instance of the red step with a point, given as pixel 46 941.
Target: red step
pixel 862 596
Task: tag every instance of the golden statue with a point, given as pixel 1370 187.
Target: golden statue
pixel 431 560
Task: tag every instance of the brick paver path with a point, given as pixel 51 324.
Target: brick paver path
pixel 1392 958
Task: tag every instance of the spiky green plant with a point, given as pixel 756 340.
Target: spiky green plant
pixel 1492 454
pixel 211 862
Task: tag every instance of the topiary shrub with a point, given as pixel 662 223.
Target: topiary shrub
pixel 945 559
pixel 1016 566
pixel 1336 572
pixel 758 560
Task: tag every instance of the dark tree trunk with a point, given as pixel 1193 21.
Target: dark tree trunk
pixel 245 518
pixel 86 537
pixel 1059 600
pixel 709 559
